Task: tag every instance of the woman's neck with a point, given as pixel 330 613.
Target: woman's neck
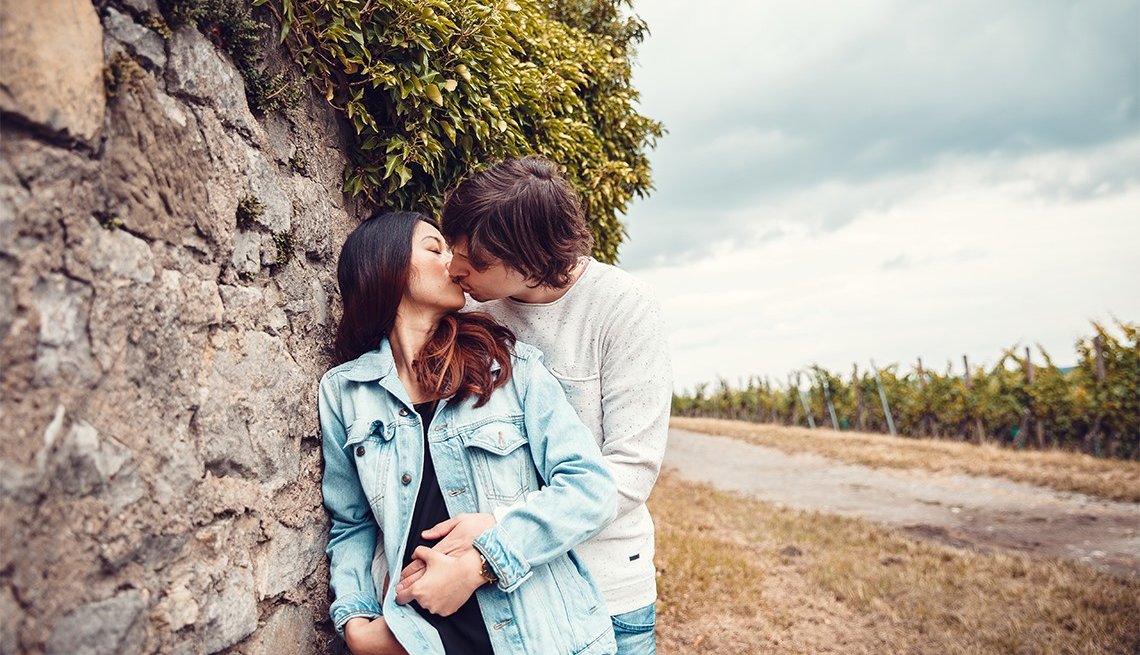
pixel 407 338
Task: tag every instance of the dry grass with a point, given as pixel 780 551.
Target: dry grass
pixel 741 576
pixel 1063 471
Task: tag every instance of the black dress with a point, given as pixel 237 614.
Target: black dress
pixel 462 632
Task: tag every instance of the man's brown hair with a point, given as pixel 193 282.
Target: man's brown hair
pixel 524 213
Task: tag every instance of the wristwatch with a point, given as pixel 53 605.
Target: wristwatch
pixel 486 571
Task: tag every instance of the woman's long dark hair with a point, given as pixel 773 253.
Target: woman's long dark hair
pixel 373 276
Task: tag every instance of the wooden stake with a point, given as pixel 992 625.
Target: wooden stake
pixel 979 429
pixel 883 398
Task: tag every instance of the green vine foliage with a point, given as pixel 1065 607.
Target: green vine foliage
pixel 435 90
pixel 1079 408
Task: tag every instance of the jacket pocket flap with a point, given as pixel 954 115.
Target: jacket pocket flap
pixel 496 438
pixel 366 428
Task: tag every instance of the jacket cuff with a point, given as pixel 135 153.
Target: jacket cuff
pixel 350 606
pixel 511 569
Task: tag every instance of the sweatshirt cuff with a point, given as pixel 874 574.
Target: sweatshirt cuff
pixel 511 569
pixel 351 606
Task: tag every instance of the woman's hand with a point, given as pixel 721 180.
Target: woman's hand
pixel 371 637
pixel 446 582
pixel 456 534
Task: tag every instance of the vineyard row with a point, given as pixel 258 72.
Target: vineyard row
pixel 1093 407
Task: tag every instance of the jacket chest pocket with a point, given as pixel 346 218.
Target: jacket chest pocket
pixel 369 444
pixel 500 457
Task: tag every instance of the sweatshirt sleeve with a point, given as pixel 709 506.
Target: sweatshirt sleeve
pixel 637 390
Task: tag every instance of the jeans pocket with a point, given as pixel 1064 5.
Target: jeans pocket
pixel 639 620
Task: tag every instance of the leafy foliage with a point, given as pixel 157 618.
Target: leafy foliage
pixel 435 90
pixel 1076 408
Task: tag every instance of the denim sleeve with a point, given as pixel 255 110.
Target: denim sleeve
pixel 352 536
pixel 579 499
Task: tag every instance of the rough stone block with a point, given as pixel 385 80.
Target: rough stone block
pixel 154 167
pixel 265 183
pixel 230 614
pixel 142 6
pixel 88 462
pixel 287 558
pixel 179 607
pixel 105 627
pixel 10 616
pixel 98 252
pixel 64 349
pixel 197 303
pixel 141 42
pixel 244 420
pixel 197 70
pixel 246 257
pixel 288 630
pixel 52 73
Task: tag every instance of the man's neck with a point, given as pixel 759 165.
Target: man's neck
pixel 546 294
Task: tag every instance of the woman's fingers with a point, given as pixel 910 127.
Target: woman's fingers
pixel 411 574
pixel 416 567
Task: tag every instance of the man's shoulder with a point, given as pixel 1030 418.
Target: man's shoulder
pixel 609 281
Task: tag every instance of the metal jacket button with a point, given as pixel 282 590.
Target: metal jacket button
pixel 407 479
pixel 403 411
pixel 360 451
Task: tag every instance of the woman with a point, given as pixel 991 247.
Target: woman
pixel 436 414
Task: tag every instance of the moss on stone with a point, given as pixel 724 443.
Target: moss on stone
pixel 249 209
pixel 120 74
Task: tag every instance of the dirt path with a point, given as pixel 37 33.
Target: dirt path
pixel 960 510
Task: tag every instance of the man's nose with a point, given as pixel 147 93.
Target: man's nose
pixel 456 269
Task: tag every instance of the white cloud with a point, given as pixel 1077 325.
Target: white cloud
pixel 971 260
pixel 848 180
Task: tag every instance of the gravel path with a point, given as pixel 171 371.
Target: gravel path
pixel 960 510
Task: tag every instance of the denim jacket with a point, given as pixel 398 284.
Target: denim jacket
pixel 525 449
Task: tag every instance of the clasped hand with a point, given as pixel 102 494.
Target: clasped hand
pixel 443 577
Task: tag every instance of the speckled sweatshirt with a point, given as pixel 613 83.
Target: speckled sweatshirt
pixel 605 342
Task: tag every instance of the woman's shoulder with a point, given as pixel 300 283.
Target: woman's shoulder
pixel 524 352
pixel 372 365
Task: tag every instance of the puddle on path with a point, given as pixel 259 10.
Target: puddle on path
pixel 959 510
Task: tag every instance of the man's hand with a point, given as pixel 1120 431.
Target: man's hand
pixel 459 532
pixel 456 535
pixel 445 583
pixel 371 637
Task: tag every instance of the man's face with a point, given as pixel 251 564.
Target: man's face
pixel 495 281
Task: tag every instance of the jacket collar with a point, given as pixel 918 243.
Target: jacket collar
pixel 373 365
pixel 379 364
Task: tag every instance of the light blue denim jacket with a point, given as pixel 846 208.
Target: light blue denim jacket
pixel 488 458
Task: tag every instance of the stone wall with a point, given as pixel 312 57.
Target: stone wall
pixel 159 457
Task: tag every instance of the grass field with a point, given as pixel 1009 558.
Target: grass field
pixel 1063 471
pixel 739 576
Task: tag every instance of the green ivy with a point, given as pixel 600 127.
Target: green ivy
pixel 436 90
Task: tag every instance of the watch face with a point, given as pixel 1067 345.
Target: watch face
pixel 488 573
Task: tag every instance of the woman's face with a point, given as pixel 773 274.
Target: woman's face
pixel 429 276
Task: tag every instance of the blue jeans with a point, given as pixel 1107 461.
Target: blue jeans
pixel 635 631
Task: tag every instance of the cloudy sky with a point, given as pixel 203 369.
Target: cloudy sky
pixel 887 179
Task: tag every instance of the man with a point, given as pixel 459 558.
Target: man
pixel 520 246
